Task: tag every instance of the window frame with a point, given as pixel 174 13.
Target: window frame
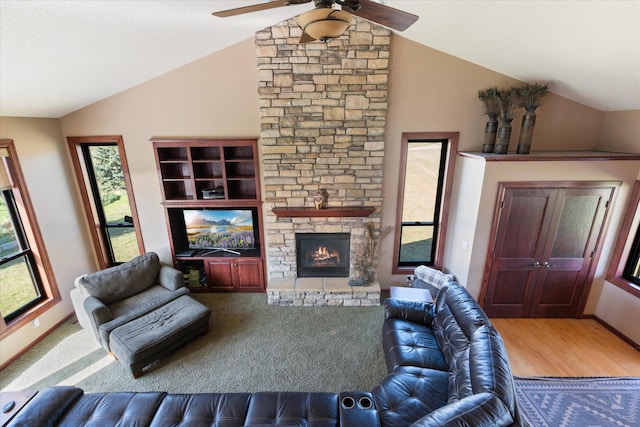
pixel 39 259
pixel 447 170
pixel 625 244
pixel 101 244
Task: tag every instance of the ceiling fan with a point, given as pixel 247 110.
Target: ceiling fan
pixel 325 22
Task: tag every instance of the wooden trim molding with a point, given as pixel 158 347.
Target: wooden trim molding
pixel 614 331
pixel 99 245
pixel 327 212
pixel 624 242
pixel 550 156
pixel 34 236
pixel 445 202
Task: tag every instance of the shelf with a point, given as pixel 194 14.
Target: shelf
pixel 328 212
pixel 189 166
pixel 546 156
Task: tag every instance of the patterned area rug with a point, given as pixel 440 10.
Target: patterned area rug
pixel 580 402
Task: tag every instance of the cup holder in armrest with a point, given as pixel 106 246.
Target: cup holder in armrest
pixel 365 402
pixel 347 402
pixel 357 409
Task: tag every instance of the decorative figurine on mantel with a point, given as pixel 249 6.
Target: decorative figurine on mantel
pixel 320 199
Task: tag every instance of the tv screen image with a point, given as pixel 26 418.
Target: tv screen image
pixel 228 229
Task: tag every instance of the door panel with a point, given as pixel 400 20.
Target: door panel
pixel 575 232
pixel 577 217
pixel 249 274
pixel 220 275
pixel 513 299
pixel 524 220
pixel 525 213
pixel 553 235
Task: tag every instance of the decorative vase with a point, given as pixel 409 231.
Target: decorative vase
pixel 526 131
pixel 503 137
pixel 490 131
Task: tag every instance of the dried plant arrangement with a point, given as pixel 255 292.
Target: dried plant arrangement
pixel 488 98
pixel 365 263
pixel 531 95
pixel 508 101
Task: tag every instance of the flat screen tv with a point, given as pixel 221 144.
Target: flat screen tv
pixel 220 229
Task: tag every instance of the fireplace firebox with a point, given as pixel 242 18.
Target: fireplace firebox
pixel 323 254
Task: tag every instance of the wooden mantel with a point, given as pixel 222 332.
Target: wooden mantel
pixel 327 212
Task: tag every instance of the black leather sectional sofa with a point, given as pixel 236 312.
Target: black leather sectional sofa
pixel 447 367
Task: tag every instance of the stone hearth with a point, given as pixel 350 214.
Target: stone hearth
pixel 321 292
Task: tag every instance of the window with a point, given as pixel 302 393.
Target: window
pixel 20 281
pixel 26 288
pixel 624 270
pixel 103 175
pixel 423 198
pixel 632 269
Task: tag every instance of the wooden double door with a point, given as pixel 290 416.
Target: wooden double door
pixel 545 245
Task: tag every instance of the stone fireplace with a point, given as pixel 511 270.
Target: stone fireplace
pixel 323 113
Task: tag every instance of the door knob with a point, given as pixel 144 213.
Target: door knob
pixel 546 264
pixel 535 264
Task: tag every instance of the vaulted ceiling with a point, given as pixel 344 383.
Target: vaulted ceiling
pixel 59 56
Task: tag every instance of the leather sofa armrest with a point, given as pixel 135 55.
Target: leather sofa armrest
pixel 47 406
pixel 414 311
pixel 357 409
pixel 478 410
pixel 170 278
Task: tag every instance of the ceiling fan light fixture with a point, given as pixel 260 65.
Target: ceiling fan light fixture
pixel 325 23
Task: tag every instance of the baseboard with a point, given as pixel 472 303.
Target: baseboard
pixel 36 341
pixel 614 331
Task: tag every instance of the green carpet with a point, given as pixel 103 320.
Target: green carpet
pixel 250 347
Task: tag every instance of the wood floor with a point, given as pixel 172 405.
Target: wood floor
pixel 566 348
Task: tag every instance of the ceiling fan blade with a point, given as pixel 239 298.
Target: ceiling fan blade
pixel 257 7
pixel 383 15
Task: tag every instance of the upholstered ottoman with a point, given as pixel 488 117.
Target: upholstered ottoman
pixel 142 341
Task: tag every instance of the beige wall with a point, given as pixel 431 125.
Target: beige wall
pixel 217 97
pixel 430 91
pixel 42 155
pixel 213 97
pixel 620 131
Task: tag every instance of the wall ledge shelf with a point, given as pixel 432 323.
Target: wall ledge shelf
pixel 546 156
pixel 327 212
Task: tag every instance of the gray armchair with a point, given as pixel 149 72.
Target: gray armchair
pixel 120 305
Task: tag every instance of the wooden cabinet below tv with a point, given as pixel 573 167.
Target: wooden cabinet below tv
pixel 223 274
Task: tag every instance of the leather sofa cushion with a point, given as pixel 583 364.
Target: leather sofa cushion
pixel 485 370
pixel 293 409
pixel 46 406
pixel 206 409
pixel 111 409
pixel 409 393
pixel 414 311
pixel 457 316
pixel 407 343
pixel 119 282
